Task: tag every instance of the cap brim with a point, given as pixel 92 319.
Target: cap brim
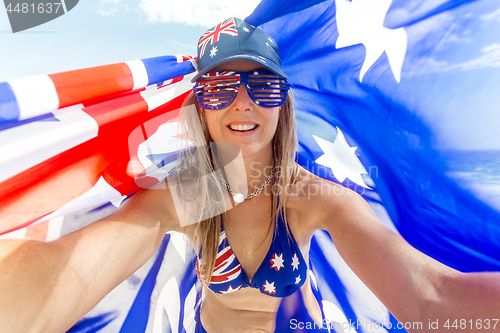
pixel 248 57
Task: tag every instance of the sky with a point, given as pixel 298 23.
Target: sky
pixel 99 32
pixel 455 76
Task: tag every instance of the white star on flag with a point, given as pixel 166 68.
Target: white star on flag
pixel 362 22
pixel 255 73
pixel 269 288
pixel 230 290
pixel 277 261
pixel 245 29
pixel 341 159
pixel 297 279
pixel 213 51
pixel 295 261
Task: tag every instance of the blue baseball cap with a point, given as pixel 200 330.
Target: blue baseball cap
pixel 235 39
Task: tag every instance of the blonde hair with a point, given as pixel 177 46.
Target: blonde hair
pixel 284 145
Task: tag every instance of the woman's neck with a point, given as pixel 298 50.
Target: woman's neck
pixel 247 174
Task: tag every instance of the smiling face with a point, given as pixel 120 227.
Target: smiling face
pixel 243 122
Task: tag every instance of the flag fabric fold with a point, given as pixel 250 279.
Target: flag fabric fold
pixel 387 95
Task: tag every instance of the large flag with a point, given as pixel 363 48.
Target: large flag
pixel 395 99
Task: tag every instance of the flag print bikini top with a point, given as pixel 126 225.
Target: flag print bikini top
pixel 282 272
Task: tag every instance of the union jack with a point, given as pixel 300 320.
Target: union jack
pixel 212 36
pixel 226 268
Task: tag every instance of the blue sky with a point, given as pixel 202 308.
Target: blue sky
pixel 98 32
pixel 457 77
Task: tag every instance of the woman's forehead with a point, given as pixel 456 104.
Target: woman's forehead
pixel 238 66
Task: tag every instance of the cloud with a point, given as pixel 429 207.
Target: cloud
pixel 491 16
pixel 440 32
pixel 195 12
pixel 490 58
pixel 109 7
pixel 428 65
pixel 104 13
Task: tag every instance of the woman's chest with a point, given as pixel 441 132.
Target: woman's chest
pixel 252 234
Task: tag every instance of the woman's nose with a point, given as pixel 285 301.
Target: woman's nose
pixel 242 101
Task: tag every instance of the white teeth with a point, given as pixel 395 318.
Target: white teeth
pixel 242 127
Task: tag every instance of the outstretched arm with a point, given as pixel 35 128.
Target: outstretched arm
pixel 47 287
pixel 413 286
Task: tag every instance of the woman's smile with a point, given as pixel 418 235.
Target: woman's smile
pixel 242 128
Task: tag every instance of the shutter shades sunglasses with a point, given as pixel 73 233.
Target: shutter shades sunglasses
pixel 218 90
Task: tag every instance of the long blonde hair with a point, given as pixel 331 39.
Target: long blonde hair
pixel 284 145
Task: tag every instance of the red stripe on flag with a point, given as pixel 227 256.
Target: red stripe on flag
pixel 81 85
pixel 186 58
pixel 117 111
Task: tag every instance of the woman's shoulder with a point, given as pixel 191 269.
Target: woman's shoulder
pixel 314 196
pixel 307 186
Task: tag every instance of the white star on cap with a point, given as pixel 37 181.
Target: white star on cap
pixel 255 73
pixel 245 29
pixel 269 288
pixel 213 51
pixel 297 279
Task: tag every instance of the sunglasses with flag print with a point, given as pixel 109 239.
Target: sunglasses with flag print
pixel 217 90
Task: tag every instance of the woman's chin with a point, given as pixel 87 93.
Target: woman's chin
pixel 255 150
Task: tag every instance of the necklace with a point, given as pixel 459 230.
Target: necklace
pixel 238 197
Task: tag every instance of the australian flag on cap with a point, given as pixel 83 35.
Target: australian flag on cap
pixel 235 39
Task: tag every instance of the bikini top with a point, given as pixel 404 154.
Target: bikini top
pixel 282 272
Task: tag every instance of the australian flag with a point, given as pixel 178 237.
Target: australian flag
pixel 395 99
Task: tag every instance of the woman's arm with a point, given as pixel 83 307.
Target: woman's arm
pixel 413 286
pixel 47 287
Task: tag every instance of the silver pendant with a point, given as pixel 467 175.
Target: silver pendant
pixel 238 197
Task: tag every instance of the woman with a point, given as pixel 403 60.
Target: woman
pixel 268 231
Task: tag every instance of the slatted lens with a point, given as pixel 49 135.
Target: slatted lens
pixel 218 90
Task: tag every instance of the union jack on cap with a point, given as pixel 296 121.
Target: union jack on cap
pixel 212 35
